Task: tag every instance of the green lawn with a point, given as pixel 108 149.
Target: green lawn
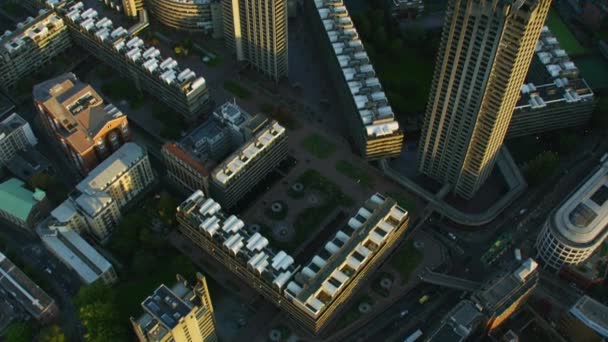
pixel 309 219
pixel 356 173
pixel 352 314
pixel 404 201
pixel 405 260
pixel 318 146
pixel 237 90
pixel 566 39
pixel 120 89
pixel 276 216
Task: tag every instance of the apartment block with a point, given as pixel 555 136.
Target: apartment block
pixel 484 55
pixel 180 314
pixel 369 116
pixel 15 136
pixel 227 155
pixel 316 292
pixel 75 115
pixel 256 30
pixel 26 293
pixel 121 49
pixel 30 46
pixel 554 95
pixel 247 166
pixel 131 7
pixel 76 253
pixel 111 186
pixel 21 206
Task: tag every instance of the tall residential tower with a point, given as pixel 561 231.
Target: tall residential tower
pixel 484 56
pixel 257 32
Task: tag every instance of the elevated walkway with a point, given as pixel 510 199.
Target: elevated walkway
pixel 449 281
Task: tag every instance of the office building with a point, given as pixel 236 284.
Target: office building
pixel 197 16
pixel 111 186
pixel 15 136
pixel 484 55
pixel 74 115
pixel 554 95
pixel 74 252
pixel 593 315
pixel 461 322
pixel 20 206
pixel 131 7
pixel 121 49
pixel 247 166
pixel 180 314
pixel 370 119
pixel 503 294
pixel 24 291
pixel 313 293
pixel 30 46
pixel 579 225
pixel 256 30
pixel 227 155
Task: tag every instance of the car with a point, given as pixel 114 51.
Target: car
pixel 523 211
pixel 404 313
pixel 452 236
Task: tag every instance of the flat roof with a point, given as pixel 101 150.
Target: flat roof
pixel 11 123
pixel 29 30
pixel 92 189
pixel 78 109
pixel 166 307
pixel 28 163
pixel 23 289
pixel 592 313
pixel 583 217
pixel 458 324
pixel 75 252
pixel 17 200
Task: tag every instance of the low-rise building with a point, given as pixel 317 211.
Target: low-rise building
pixel 15 135
pixel 180 314
pixel 24 291
pixel 592 316
pixel 554 95
pixel 180 89
pixel 579 225
pixel 462 322
pixel 368 113
pixel 21 206
pixel 30 46
pixel 27 164
pixel 74 115
pixel 227 155
pixel 112 185
pixel 314 293
pixel 77 254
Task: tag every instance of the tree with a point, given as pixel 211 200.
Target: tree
pixel 102 323
pixel 52 333
pixel 541 167
pixel 92 293
pixel 143 263
pixel 568 142
pixel 380 36
pixel 150 240
pixel 396 46
pixel 166 208
pixel 19 332
pixel 55 191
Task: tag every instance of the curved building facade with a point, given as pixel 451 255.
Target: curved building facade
pixel 188 15
pixel 580 225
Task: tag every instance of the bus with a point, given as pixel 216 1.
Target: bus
pixel 414 337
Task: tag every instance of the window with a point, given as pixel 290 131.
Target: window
pixel 600 196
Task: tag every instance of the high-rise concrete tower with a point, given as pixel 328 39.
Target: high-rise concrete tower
pixel 485 52
pixel 257 32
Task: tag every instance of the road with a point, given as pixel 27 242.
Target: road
pixel 63 283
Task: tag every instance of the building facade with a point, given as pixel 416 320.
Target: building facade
pixel 579 226
pixel 248 165
pixel 30 46
pixel 15 136
pixel 131 7
pixel 314 293
pixel 21 206
pixel 200 16
pixel 177 314
pixel 370 118
pixel 77 254
pixel 256 30
pixel 30 296
pixel 484 55
pixel 121 49
pixel 554 95
pixel 76 117
pixel 112 185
